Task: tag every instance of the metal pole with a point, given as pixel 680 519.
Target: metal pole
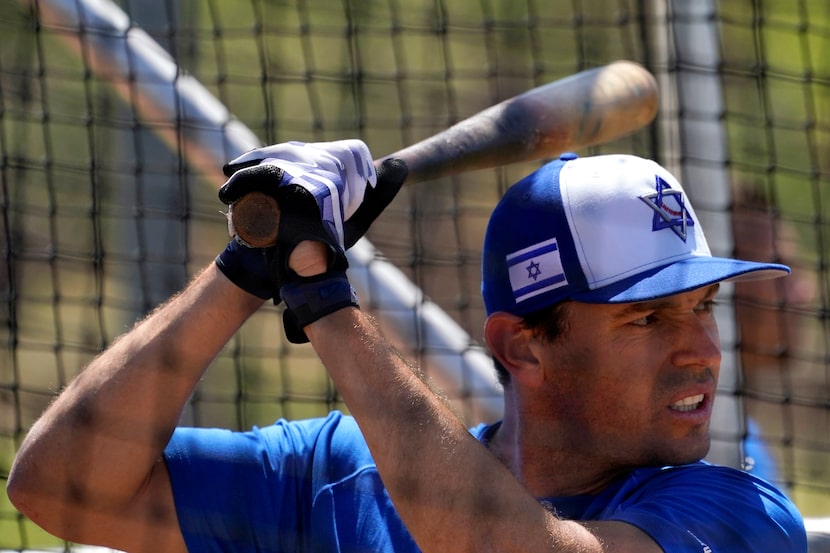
pixel 188 116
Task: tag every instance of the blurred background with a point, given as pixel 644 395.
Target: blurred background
pixel 116 117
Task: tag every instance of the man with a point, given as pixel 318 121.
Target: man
pixel 599 288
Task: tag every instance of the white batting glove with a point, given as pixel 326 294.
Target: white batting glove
pixel 336 173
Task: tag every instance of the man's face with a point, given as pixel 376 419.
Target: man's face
pixel 635 382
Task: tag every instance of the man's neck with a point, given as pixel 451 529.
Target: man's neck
pixel 545 464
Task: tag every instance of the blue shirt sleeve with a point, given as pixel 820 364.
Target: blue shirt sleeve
pixel 701 508
pixel 255 491
pixel 228 490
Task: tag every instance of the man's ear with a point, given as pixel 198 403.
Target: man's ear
pixel 511 344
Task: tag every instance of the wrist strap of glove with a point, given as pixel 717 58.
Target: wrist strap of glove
pixel 310 299
pixel 247 268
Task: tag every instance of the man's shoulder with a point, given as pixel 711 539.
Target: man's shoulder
pixel 717 504
pixel 709 487
pixel 698 471
pixel 698 477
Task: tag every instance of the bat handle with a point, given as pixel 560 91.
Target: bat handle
pixel 255 218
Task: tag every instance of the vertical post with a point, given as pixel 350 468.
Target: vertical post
pixel 698 144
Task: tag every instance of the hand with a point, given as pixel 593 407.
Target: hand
pixel 251 269
pixel 315 289
pixel 328 193
pixel 341 175
pixel 317 293
pixel 316 185
pixel 309 259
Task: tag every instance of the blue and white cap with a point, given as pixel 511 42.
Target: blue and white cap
pixel 603 229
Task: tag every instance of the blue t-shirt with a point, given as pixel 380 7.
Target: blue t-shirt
pixel 312 485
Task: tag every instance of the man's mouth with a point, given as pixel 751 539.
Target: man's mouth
pixel 689 403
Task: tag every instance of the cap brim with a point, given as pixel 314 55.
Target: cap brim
pixel 682 276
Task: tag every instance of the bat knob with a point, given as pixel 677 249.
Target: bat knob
pixel 254 219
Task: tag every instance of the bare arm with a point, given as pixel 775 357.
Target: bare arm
pixel 452 494
pixel 90 470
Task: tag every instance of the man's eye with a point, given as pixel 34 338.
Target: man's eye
pixel 645 321
pixel 707 306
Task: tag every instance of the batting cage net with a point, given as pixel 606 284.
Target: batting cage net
pixel 115 120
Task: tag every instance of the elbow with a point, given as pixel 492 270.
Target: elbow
pixel 16 489
pixel 32 498
pixel 34 494
pixel 23 489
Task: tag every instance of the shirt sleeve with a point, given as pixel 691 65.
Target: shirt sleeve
pixel 243 491
pixel 708 509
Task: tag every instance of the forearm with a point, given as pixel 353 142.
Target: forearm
pixel 451 492
pixel 100 439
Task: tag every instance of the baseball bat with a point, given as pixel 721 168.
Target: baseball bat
pixel 584 109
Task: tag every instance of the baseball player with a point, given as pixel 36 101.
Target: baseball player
pixel 599 288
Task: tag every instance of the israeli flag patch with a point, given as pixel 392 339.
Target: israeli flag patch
pixel 535 270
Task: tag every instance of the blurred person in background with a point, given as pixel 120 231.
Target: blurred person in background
pixel 774 335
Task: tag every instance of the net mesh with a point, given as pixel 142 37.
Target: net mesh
pixel 106 209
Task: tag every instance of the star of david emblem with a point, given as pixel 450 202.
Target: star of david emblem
pixel 533 270
pixel 669 209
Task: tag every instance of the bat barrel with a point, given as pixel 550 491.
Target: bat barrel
pixel 591 107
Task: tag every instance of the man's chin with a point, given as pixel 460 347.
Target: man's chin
pixel 693 453
pixel 683 454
